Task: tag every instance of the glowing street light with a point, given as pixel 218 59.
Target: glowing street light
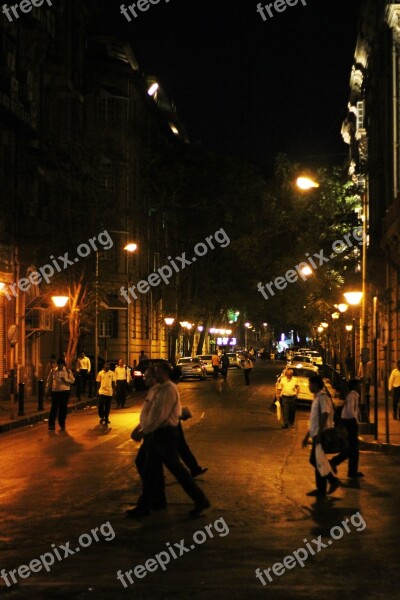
pixel 307 270
pixel 59 301
pixel 349 327
pixel 131 247
pixel 324 324
pixel 306 183
pixel 153 89
pixel 342 307
pixel 200 328
pixel 169 321
pixel 320 329
pixel 353 298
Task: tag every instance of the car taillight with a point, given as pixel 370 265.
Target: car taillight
pixel 137 373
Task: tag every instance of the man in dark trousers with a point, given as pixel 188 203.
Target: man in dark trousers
pixel 58 385
pixel 225 365
pixel 160 428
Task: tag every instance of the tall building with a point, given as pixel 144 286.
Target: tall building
pixel 372 130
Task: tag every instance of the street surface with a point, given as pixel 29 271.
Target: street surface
pixel 57 487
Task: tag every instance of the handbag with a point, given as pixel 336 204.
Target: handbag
pixel 333 439
pixel 137 433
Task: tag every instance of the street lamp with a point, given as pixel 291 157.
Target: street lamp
pixel 60 302
pixel 169 321
pixel 354 299
pixel 307 270
pixel 306 183
pixel 247 326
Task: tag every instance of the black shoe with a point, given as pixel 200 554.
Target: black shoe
pixel 101 421
pixel 334 486
pixel 333 467
pixel 137 513
pixel 52 428
pixel 285 427
pixel 159 505
pixel 316 494
pixel 293 426
pixel 200 471
pixel 62 427
pixel 198 508
pixel 356 476
pixel 107 422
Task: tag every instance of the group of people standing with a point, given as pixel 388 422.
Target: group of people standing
pixel 223 363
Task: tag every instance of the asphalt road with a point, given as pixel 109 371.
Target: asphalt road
pixel 58 488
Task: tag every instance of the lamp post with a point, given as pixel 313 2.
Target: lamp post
pixel 354 299
pixel 169 321
pixel 60 302
pixel 246 327
pixel 130 248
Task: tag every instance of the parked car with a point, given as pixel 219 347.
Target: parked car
pixel 234 360
pixel 315 357
pixel 300 360
pixel 207 360
pixel 139 371
pixel 192 367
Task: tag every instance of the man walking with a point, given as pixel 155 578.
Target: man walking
pixel 105 390
pixel 321 418
pixel 83 367
pixel 288 392
pixel 394 384
pixel 59 384
pixel 224 365
pixel 122 379
pixel 247 367
pixel 160 429
pixel 215 364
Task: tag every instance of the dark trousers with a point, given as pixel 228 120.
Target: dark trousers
pixel 104 405
pixel 320 482
pixel 183 449
pixel 224 372
pixel 158 490
pixel 247 376
pixel 216 369
pixel 59 403
pixel 396 399
pixel 162 449
pixel 352 452
pixel 82 380
pixel 122 387
pixel 289 409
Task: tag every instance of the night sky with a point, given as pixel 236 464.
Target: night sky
pixel 247 87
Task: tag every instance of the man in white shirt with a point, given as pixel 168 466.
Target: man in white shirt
pixel 321 418
pixel 58 385
pixel 83 367
pixel 288 391
pixel 394 384
pixel 122 379
pixel 349 418
pixel 105 391
pixel 160 428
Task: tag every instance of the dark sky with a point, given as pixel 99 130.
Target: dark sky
pixel 247 87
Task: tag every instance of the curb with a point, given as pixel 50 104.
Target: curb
pixel 379 447
pixel 40 416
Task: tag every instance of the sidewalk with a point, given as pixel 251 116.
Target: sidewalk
pixel 367 440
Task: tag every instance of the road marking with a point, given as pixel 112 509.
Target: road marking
pixel 124 444
pixel 105 439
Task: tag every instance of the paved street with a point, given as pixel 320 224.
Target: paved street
pixel 57 487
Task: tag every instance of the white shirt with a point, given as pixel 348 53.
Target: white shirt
pixel 165 409
pixel 59 380
pixel 83 363
pixel 394 379
pixel 350 408
pixel 122 374
pixel 144 413
pixel 287 387
pixel 321 404
pixel 106 379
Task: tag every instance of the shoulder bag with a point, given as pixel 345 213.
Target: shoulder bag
pixel 333 439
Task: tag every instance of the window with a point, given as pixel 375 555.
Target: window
pixel 107 178
pixel 108 324
pixel 360 114
pixel 107 109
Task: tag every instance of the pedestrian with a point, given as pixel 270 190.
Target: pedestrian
pixel 83 367
pixel 161 427
pixel 224 365
pixel 365 377
pixel 349 418
pixel 159 501
pixel 215 364
pixel 142 356
pixel 105 391
pixel 321 418
pixel 122 379
pixel 247 367
pixel 394 386
pixel 288 391
pixel 58 385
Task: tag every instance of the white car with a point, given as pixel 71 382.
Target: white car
pixel 315 357
pixel 207 360
pixel 300 360
pixel 192 367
